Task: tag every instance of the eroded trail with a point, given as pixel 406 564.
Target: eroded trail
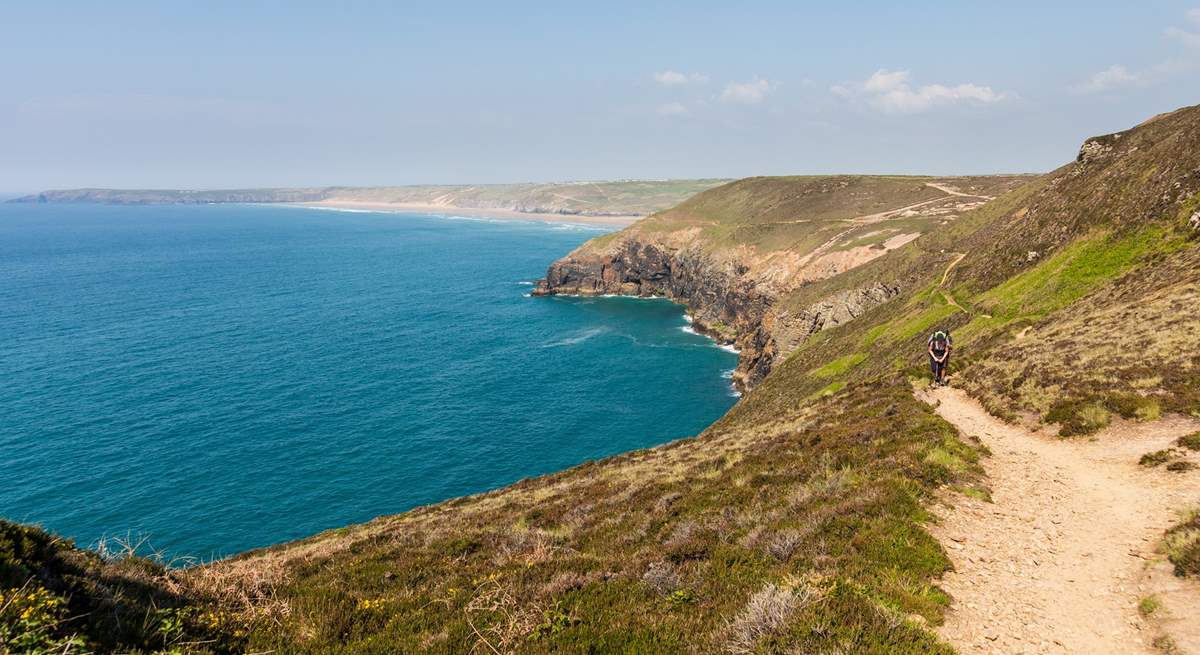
pixel 1058 561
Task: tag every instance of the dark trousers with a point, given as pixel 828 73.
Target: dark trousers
pixel 938 368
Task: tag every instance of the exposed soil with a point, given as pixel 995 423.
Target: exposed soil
pixel 1059 560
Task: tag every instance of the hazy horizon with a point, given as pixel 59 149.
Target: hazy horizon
pixel 151 97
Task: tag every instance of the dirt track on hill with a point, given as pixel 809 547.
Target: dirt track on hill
pixel 1058 562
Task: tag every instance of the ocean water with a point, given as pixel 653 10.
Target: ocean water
pixel 218 378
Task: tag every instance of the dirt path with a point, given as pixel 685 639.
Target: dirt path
pixel 1058 562
pixel 945 275
pixel 954 192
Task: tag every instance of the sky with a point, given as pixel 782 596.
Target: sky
pixel 252 94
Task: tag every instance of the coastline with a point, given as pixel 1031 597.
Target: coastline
pixel 509 214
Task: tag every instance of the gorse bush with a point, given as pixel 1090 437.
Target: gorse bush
pixel 57 598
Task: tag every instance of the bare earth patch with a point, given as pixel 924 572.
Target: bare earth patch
pixel 1059 561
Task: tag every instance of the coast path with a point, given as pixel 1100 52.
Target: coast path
pixel 955 192
pixel 1058 562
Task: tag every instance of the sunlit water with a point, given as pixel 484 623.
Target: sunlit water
pixel 226 377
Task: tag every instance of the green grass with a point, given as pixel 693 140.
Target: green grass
pixel 840 365
pixel 1148 605
pixel 1070 274
pixel 829 390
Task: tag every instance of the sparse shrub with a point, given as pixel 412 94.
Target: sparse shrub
pixel 662 578
pixel 945 459
pixel 460 547
pixel 1191 441
pixel 767 613
pixel 978 493
pixel 1183 545
pixel 1149 605
pixel 568 581
pixel 1156 458
pixel 554 621
pixel 1077 417
pixel 689 542
pixel 681 597
pixel 784 543
pixel 1166 645
pixel 1132 406
pixel 1180 466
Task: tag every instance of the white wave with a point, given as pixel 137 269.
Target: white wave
pixel 689 319
pixel 525 283
pixel 576 227
pixel 727 347
pixel 576 338
pixel 347 210
pixel 728 375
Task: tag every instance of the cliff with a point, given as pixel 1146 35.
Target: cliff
pixel 803 520
pixel 732 253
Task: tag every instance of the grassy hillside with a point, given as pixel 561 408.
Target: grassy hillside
pixel 797 522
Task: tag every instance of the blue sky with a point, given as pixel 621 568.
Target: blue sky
pixel 203 95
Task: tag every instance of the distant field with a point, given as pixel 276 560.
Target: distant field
pixel 627 197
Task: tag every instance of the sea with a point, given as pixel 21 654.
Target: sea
pixel 209 379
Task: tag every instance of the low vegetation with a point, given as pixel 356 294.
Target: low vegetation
pixel 797 522
pixel 1183 545
pixel 803 532
pixel 56 598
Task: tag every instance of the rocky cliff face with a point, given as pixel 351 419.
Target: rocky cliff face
pixel 725 301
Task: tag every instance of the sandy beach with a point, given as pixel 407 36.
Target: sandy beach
pixel 399 207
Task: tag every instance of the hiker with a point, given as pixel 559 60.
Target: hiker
pixel 940 345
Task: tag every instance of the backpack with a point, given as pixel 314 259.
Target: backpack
pixel 940 342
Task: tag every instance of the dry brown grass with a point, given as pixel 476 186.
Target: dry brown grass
pixel 766 613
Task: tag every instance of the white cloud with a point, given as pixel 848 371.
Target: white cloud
pixel 1113 77
pixel 1117 76
pixel 747 93
pixel 891 92
pixel 673 109
pixel 1190 39
pixel 884 81
pixel 675 78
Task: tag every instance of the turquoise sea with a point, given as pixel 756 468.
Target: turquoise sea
pixel 223 377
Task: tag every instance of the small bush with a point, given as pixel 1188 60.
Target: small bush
pixel 661 578
pixel 1183 546
pixel 1191 442
pixel 783 544
pixel 1156 458
pixel 766 614
pixel 1132 406
pixel 1166 645
pixel 1077 418
pixel 1180 466
pixel 1149 605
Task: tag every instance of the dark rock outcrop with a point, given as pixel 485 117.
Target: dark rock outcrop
pixel 725 302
